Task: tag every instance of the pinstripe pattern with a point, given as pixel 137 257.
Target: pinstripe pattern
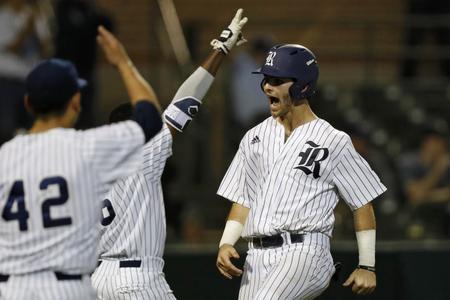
pixel 283 198
pixel 138 231
pixel 294 186
pixel 88 162
pixel 44 286
pixel 294 271
pixel 146 282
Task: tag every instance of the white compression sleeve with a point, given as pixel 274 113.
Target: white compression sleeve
pixel 231 233
pixel 366 247
pixel 196 85
pixel 186 102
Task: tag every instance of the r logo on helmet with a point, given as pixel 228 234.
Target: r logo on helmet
pixel 270 57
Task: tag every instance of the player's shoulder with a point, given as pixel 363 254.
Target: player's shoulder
pixel 56 134
pixel 128 125
pixel 122 133
pixel 329 129
pixel 261 128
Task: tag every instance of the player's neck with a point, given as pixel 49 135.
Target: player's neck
pixel 299 115
pixel 42 125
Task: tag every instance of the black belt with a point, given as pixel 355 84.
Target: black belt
pixel 59 276
pixel 126 263
pixel 4 278
pixel 275 240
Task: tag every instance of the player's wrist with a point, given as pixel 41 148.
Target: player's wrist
pixel 366 247
pixel 125 64
pixel 368 268
pixel 231 233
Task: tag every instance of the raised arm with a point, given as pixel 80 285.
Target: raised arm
pixel 138 89
pixel 147 110
pixel 187 100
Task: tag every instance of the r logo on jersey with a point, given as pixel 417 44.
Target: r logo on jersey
pixel 311 158
pixel 270 57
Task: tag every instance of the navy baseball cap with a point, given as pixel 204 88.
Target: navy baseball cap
pixel 53 81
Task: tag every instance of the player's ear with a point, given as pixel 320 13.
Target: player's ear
pixel 27 104
pixel 75 102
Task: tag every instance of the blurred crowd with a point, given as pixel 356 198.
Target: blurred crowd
pixel 31 30
pixel 416 172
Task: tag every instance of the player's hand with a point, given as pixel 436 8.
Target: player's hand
pixel 232 35
pixel 114 51
pixel 224 264
pixel 363 282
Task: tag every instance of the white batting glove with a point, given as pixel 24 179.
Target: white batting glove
pixel 232 35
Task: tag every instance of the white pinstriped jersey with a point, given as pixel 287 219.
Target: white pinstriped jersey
pixel 295 185
pixel 50 184
pixel 135 227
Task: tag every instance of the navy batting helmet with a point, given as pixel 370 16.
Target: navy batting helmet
pixel 296 62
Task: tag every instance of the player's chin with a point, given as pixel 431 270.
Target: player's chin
pixel 276 113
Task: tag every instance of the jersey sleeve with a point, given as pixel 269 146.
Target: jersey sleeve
pixel 156 152
pixel 234 184
pixel 114 150
pixel 354 179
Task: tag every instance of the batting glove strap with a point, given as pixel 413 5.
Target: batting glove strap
pixel 180 112
pixel 231 35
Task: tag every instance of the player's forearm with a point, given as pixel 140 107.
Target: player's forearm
pixel 238 213
pixel 364 219
pixel 187 100
pixel 235 224
pixel 138 89
pixel 213 61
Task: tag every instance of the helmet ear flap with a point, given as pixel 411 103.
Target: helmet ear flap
pixel 295 91
pixel 261 85
pixel 299 92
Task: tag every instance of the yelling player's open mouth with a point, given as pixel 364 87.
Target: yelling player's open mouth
pixel 274 103
pixel 274 100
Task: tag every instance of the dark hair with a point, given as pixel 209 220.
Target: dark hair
pixel 122 112
pixel 44 110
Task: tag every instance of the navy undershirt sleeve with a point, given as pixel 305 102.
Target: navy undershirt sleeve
pixel 148 117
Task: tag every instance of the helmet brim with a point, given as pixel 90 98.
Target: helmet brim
pixel 257 71
pixel 270 72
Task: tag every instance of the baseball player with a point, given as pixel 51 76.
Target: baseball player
pixel 134 225
pixel 285 180
pixel 52 177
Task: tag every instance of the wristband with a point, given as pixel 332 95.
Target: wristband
pixel 368 268
pixel 366 247
pixel 231 233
